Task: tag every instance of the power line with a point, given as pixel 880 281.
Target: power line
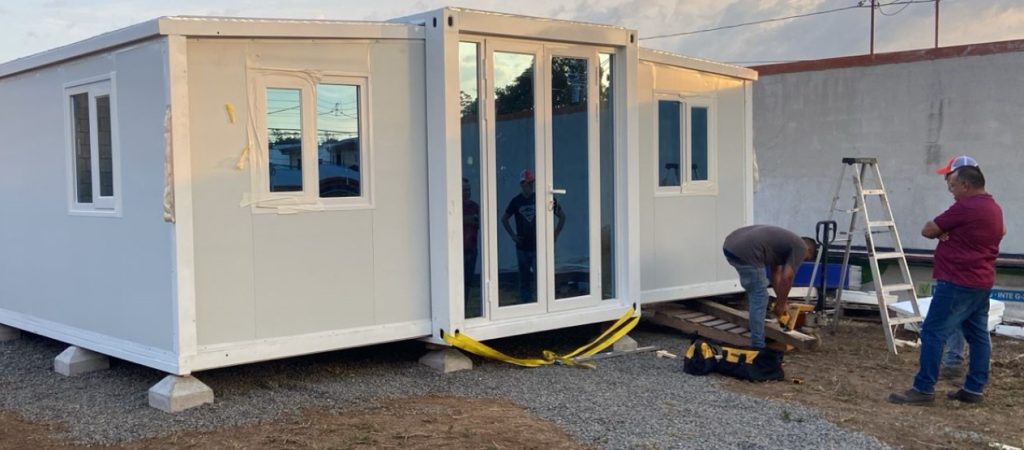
pixel 777 19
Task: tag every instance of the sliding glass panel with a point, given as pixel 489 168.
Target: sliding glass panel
pixel 284 139
pixel 515 165
pixel 469 101
pixel 105 150
pixel 570 137
pixel 337 138
pixel 668 143
pixel 83 147
pixel 698 143
pixel 606 117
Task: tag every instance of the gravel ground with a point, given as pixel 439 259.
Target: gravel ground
pixel 632 401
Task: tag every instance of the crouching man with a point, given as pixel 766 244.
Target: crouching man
pixel 753 249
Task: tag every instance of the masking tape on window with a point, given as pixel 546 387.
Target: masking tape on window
pixel 168 170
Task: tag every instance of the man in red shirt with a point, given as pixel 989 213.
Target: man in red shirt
pixel 969 233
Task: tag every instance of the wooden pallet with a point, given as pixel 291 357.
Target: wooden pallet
pixel 721 323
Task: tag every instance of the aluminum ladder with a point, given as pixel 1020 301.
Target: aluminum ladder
pixel 861 222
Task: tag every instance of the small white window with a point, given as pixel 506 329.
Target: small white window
pixel 315 140
pixel 684 136
pixel 93 156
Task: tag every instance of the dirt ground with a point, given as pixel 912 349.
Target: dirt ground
pixel 848 379
pixel 850 376
pixel 421 423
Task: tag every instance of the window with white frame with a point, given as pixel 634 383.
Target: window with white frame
pixel 93 159
pixel 315 139
pixel 685 149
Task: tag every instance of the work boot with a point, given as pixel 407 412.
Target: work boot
pixel 964 396
pixel 912 397
pixel 952 373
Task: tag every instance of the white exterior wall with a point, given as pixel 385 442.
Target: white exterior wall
pixel 272 285
pixel 103 283
pixel 912 116
pixel 681 234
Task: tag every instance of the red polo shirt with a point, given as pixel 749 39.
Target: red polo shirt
pixel 975 228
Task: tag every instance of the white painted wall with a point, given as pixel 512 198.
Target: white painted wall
pixel 681 235
pixel 90 281
pixel 270 276
pixel 912 116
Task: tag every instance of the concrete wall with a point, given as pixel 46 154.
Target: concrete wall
pixel 912 116
pixel 681 234
pixel 265 275
pixel 105 283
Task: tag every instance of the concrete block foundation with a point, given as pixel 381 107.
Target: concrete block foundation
pixel 447 360
pixel 178 393
pixel 76 361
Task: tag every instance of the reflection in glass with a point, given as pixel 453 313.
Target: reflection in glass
pixel 83 152
pixel 337 139
pixel 570 137
pixel 515 183
pixel 698 143
pixel 469 103
pixel 606 118
pixel 284 139
pixel 668 143
pixel 104 154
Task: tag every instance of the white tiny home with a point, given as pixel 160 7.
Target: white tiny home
pixel 192 193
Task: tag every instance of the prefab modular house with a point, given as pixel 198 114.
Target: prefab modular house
pixel 192 193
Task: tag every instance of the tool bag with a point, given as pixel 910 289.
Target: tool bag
pixel 701 357
pixel 752 365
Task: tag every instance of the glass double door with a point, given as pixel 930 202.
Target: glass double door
pixel 541 172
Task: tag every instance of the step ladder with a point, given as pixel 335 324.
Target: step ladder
pixel 869 200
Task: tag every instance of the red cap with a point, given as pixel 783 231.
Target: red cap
pixel 956 162
pixel 526 176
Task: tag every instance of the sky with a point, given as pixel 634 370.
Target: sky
pixel 32 26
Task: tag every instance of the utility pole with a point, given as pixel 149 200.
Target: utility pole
pixel 936 23
pixel 872 27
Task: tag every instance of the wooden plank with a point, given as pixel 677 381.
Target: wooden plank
pixel 703 318
pixel 690 327
pixel 715 323
pixel 726 326
pixel 771 331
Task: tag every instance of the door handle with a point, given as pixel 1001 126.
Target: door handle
pixel 557 191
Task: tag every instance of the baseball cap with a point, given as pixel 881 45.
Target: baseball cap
pixel 956 162
pixel 526 176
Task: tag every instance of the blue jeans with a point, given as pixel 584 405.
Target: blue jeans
pixel 755 283
pixel 955 307
pixel 527 274
pixel 954 354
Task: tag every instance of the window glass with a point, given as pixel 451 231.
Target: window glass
pixel 698 143
pixel 668 143
pixel 469 104
pixel 284 139
pixel 338 145
pixel 515 162
pixel 606 117
pixel 105 147
pixel 83 147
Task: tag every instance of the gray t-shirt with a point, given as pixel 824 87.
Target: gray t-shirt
pixel 764 246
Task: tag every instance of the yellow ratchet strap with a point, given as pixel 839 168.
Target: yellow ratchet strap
pixel 612 334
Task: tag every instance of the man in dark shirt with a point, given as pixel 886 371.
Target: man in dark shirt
pixel 523 207
pixel 969 233
pixel 470 250
pixel 750 250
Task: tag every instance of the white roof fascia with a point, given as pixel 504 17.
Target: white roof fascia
pixel 193 26
pixel 116 38
pixel 703 65
pixel 214 27
pixel 500 24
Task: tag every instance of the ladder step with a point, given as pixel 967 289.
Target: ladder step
pixel 881 223
pixel 893 321
pixel 874 191
pixel 898 287
pixel 888 255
